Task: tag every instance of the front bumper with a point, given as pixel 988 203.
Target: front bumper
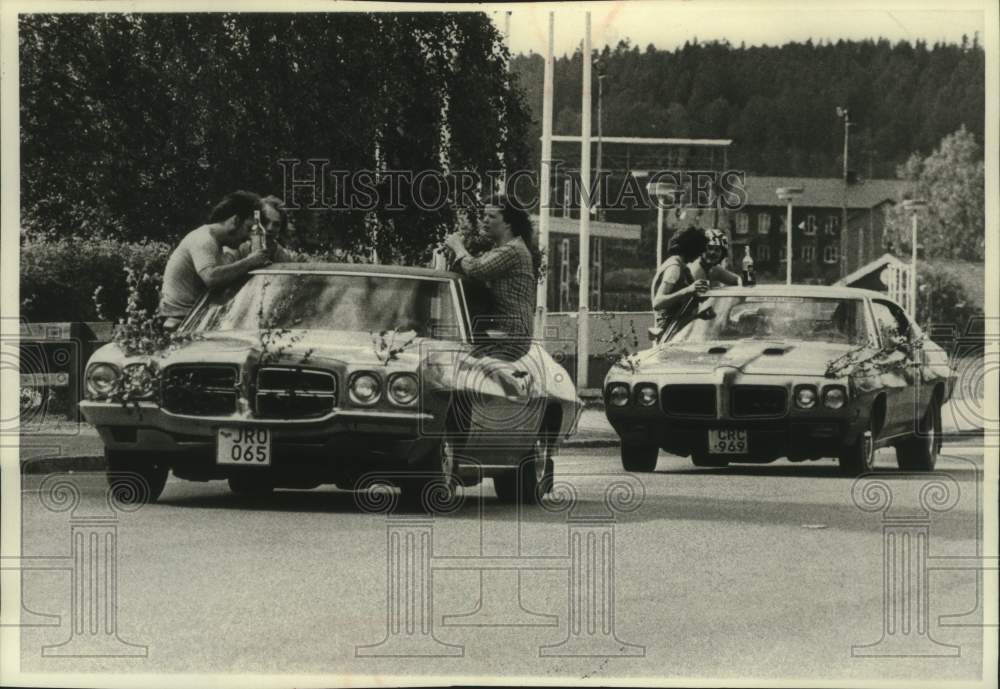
pixel 766 440
pixel 343 436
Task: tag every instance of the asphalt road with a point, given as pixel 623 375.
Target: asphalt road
pixel 760 572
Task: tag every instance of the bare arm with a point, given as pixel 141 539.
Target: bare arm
pixel 726 277
pixel 664 297
pixel 217 275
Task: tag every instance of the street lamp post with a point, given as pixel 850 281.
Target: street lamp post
pixel 788 194
pixel 914 206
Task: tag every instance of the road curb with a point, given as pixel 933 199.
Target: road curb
pixel 52 465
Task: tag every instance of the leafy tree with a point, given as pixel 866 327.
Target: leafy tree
pixel 778 102
pixel 133 125
pixel 951 180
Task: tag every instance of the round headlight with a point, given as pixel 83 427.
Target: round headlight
pixel 138 380
pixel 646 395
pixel 365 389
pixel 403 389
pixel 618 395
pixel 805 397
pixel 834 398
pixel 102 380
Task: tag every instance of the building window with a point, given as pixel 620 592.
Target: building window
pixel 564 275
pixel 832 224
pixel 742 223
pixel 810 224
pixel 763 252
pixel 763 223
pixel 831 253
pixel 809 253
pixel 781 254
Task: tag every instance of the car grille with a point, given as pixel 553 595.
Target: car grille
pixel 758 400
pixel 689 400
pixel 291 393
pixel 200 390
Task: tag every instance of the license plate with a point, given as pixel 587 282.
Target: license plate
pixel 244 447
pixel 728 441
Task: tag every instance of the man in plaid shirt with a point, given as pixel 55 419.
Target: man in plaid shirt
pixel 508 270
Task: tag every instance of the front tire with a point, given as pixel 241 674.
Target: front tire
pixel 639 458
pixel 920 452
pixel 437 470
pixel 135 478
pixel 532 479
pixel 859 458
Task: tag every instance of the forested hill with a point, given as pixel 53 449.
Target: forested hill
pixel 778 104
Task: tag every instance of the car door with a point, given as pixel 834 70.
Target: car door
pixel 898 370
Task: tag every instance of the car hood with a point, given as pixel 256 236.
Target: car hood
pixel 750 356
pixel 293 347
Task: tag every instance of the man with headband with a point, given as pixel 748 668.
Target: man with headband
pixel 708 266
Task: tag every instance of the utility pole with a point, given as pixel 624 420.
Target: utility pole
pixel 600 134
pixel 544 202
pixel 843 112
pixel 583 305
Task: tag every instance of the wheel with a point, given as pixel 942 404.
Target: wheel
pixel 135 478
pixel 438 468
pixel 859 458
pixel 532 479
pixel 700 460
pixel 920 452
pixel 640 458
pixel 251 486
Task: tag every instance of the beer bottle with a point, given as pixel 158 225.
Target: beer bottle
pixel 748 277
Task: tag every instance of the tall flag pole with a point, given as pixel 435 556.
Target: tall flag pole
pixel 583 308
pixel 545 188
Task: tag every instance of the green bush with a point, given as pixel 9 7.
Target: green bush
pixel 59 276
pixel 944 304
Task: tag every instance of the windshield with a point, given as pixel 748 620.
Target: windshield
pixel 363 303
pixel 749 317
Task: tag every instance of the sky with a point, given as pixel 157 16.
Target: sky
pixel 668 24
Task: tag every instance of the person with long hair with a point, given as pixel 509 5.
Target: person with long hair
pixel 673 285
pixel 510 269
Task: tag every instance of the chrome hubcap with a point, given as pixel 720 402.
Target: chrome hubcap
pixel 869 449
pixel 448 462
pixel 541 456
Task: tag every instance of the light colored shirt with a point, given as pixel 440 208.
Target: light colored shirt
pixel 672 275
pixel 182 283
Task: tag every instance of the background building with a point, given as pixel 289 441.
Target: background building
pixel 816 221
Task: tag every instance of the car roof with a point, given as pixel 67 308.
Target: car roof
pixel 827 291
pixel 358 268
